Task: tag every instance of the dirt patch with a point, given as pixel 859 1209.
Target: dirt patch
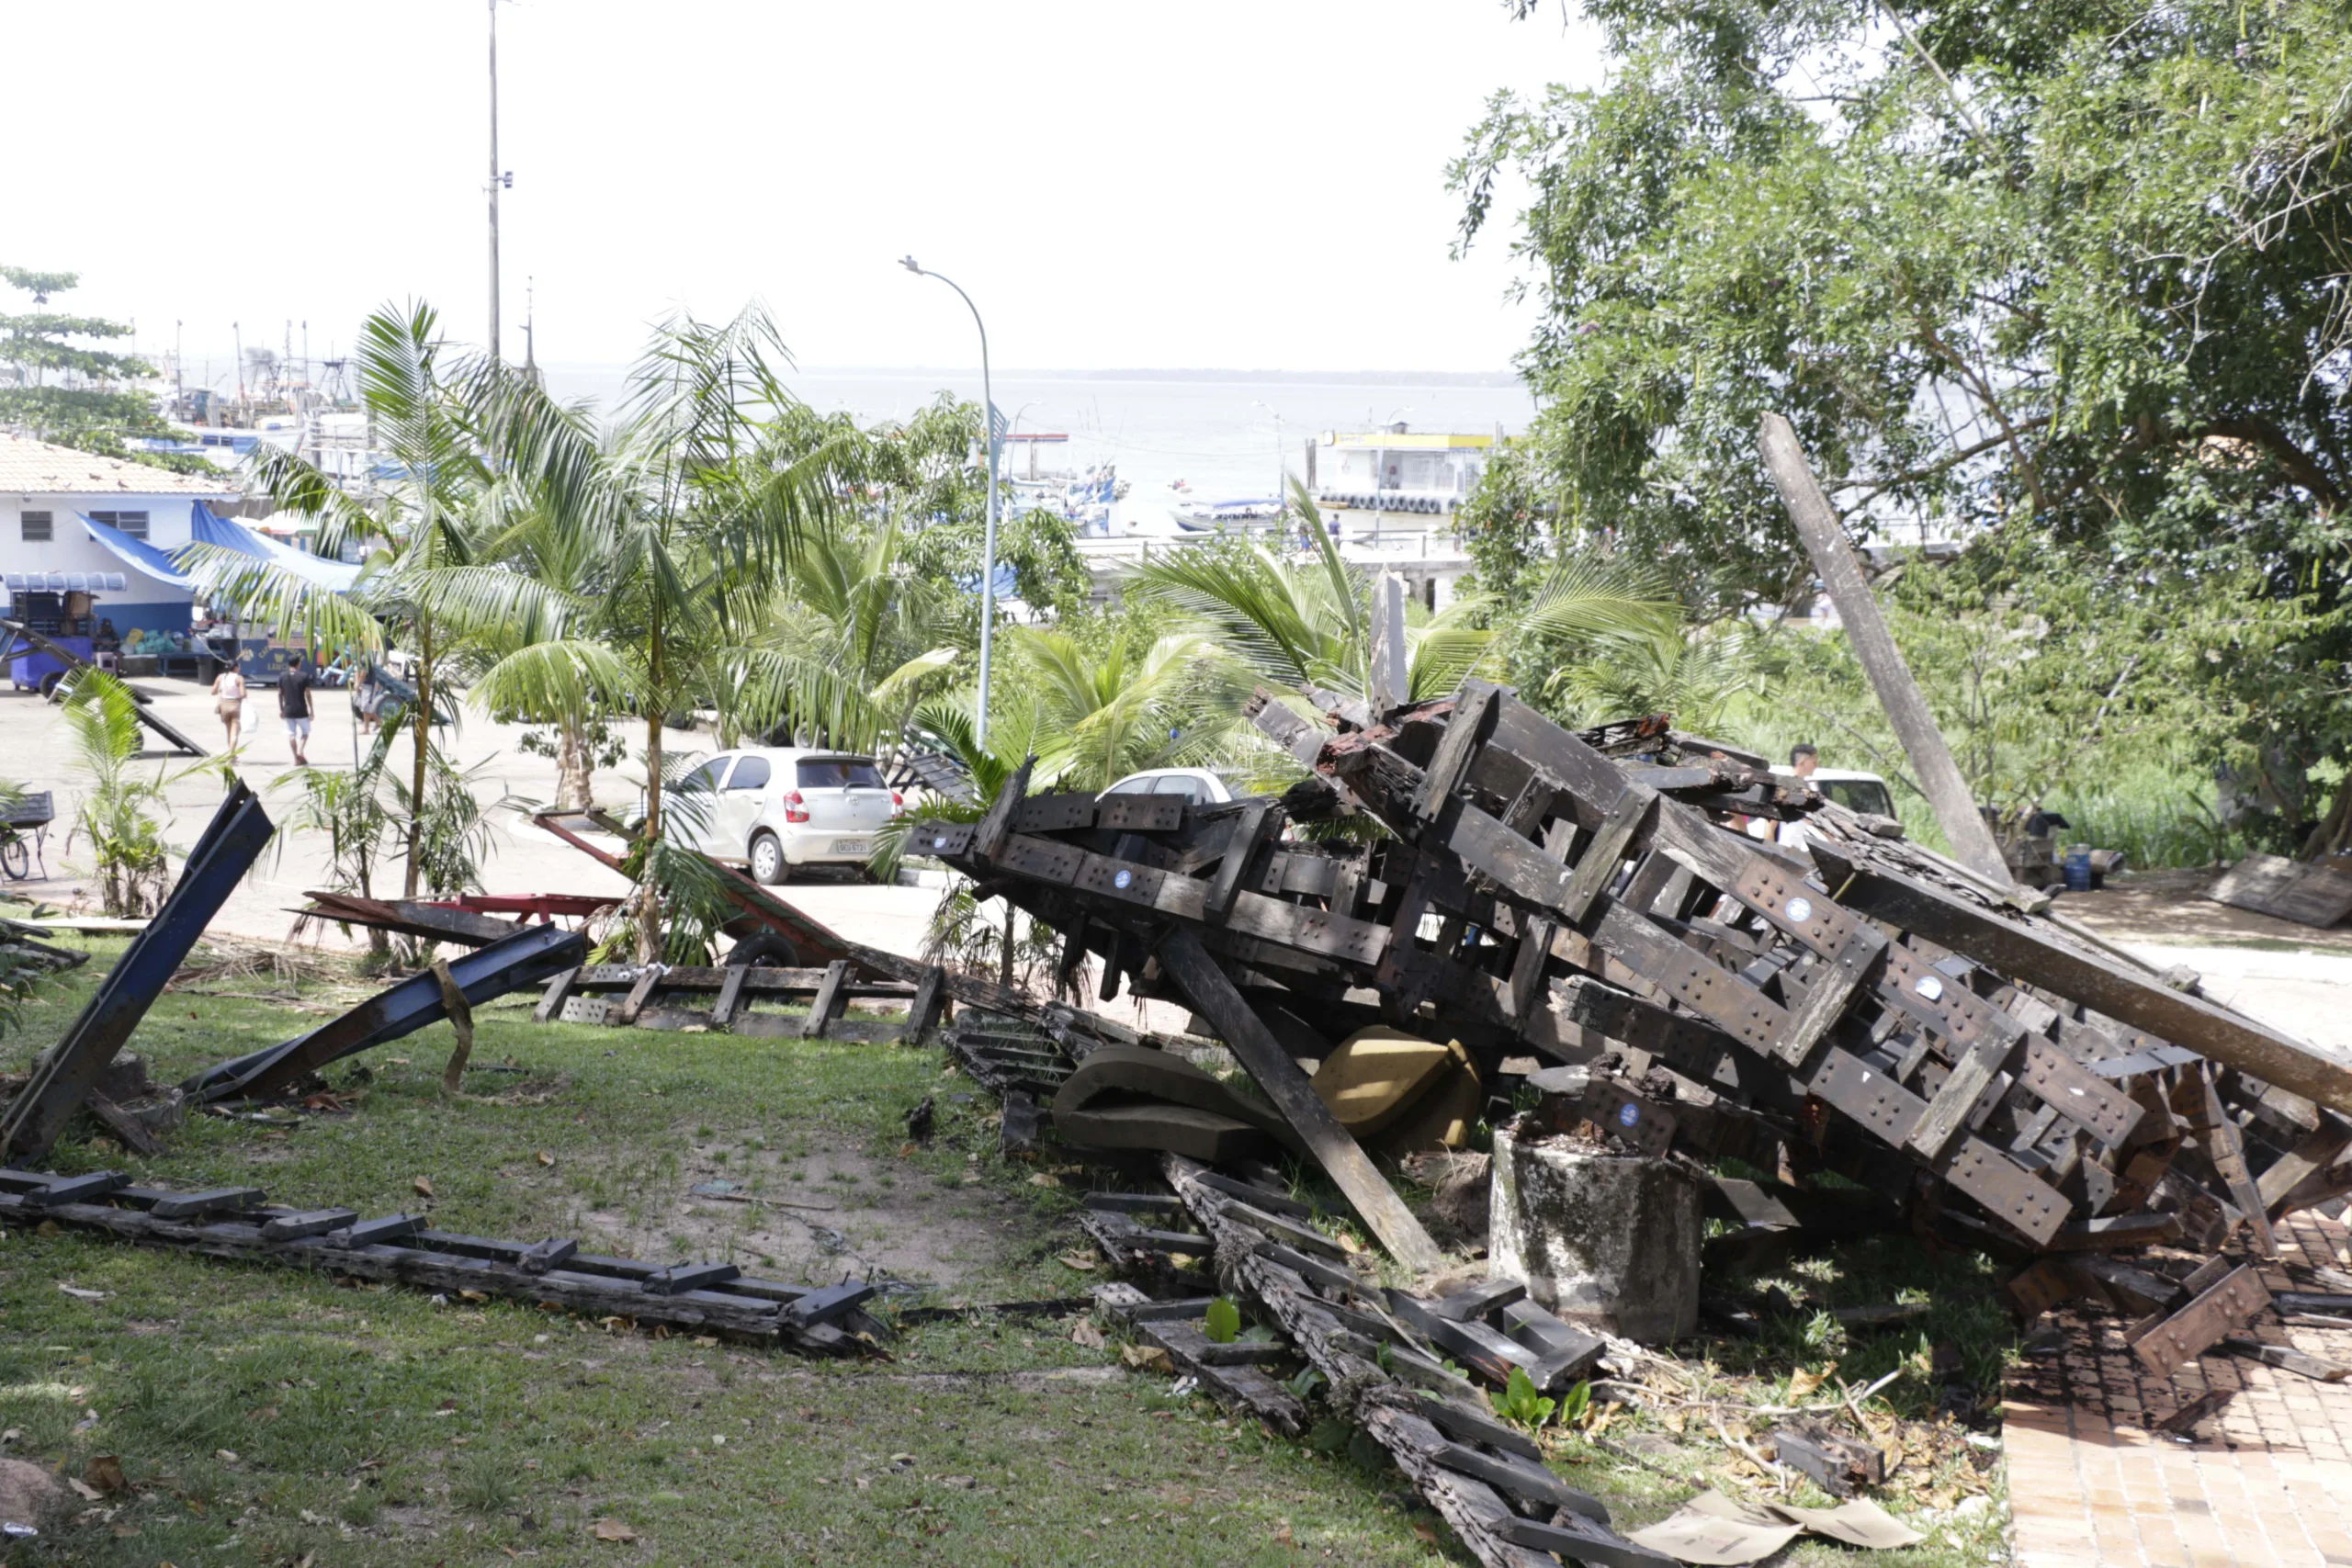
pixel 812 1208
pixel 2171 907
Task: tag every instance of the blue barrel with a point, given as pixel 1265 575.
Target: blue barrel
pixel 2079 869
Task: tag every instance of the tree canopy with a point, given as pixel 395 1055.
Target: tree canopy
pixel 2067 280
pixel 67 392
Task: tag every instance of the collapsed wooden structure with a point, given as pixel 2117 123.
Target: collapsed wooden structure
pixel 236 1222
pixel 1841 1001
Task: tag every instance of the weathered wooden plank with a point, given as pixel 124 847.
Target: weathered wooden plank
pixel 1464 732
pixel 639 992
pixel 1949 1112
pixel 1833 556
pixel 559 990
pixel 2315 1153
pixel 1835 983
pixel 829 995
pixel 2165 1345
pixel 2310 895
pixel 1596 867
pixel 989 834
pixel 730 994
pixel 1253 1045
pixel 1257 824
pixel 2142 1001
pixel 922 1011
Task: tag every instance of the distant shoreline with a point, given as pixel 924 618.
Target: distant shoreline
pixel 1309 377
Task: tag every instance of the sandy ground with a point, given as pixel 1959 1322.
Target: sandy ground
pixel 2290 976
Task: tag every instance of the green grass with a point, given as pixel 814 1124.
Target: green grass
pixel 262 1415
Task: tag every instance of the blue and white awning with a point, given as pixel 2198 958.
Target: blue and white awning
pixel 207 528
pixel 137 554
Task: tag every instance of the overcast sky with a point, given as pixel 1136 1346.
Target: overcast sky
pixel 1256 185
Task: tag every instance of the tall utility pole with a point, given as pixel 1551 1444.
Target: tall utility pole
pixel 1898 694
pixel 494 353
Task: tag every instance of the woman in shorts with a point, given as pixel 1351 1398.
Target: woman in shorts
pixel 229 702
pixel 368 697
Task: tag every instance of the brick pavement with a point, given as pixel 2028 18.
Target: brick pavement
pixel 2264 1480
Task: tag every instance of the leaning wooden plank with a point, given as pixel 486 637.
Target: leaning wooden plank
pixel 1898 694
pixel 924 1010
pixel 1254 1045
pixel 2307 893
pixel 1452 759
pixel 559 991
pixel 820 1012
pixel 2011 948
pixel 2315 1153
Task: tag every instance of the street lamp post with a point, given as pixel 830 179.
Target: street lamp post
pixel 1282 463
pixel 988 544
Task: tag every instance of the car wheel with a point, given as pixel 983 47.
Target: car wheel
pixel 767 949
pixel 769 868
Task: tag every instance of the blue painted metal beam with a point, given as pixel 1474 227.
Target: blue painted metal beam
pixel 527 958
pixel 71 1069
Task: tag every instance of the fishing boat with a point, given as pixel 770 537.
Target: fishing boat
pixel 1220 516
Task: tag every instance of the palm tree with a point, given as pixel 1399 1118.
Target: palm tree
pixel 1095 717
pixel 422 523
pixel 534 663
pixel 116 812
pixel 847 645
pixel 1692 673
pixel 1297 625
pixel 681 515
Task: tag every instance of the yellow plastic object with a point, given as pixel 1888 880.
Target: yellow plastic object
pixel 1374 1074
pixel 1442 1114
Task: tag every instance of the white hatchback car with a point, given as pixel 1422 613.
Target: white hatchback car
pixel 777 808
pixel 1198 785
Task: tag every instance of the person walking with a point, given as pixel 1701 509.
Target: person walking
pixel 369 698
pixel 229 702
pixel 294 707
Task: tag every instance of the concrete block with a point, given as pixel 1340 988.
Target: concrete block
pixel 1607 1240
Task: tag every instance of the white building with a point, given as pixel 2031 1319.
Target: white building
pixel 67 514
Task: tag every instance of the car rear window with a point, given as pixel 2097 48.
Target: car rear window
pixel 751 773
pixel 839 772
pixel 1858 795
pixel 1177 784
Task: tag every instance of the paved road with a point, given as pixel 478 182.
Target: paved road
pixel 35 753
pixel 2305 993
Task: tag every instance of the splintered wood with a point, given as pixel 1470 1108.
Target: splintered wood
pixel 1840 1002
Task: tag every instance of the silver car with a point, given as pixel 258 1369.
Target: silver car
pixel 775 807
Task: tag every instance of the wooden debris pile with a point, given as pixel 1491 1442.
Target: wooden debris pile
pixel 1835 1001
pixel 236 1222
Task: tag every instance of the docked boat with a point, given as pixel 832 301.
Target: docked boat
pixel 1221 516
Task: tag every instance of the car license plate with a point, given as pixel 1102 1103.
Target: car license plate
pixel 852 847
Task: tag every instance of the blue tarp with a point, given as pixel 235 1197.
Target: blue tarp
pixel 138 553
pixel 205 528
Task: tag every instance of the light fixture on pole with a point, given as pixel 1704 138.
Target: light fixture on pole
pixel 988 542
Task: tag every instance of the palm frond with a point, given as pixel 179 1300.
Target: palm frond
pixel 265 591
